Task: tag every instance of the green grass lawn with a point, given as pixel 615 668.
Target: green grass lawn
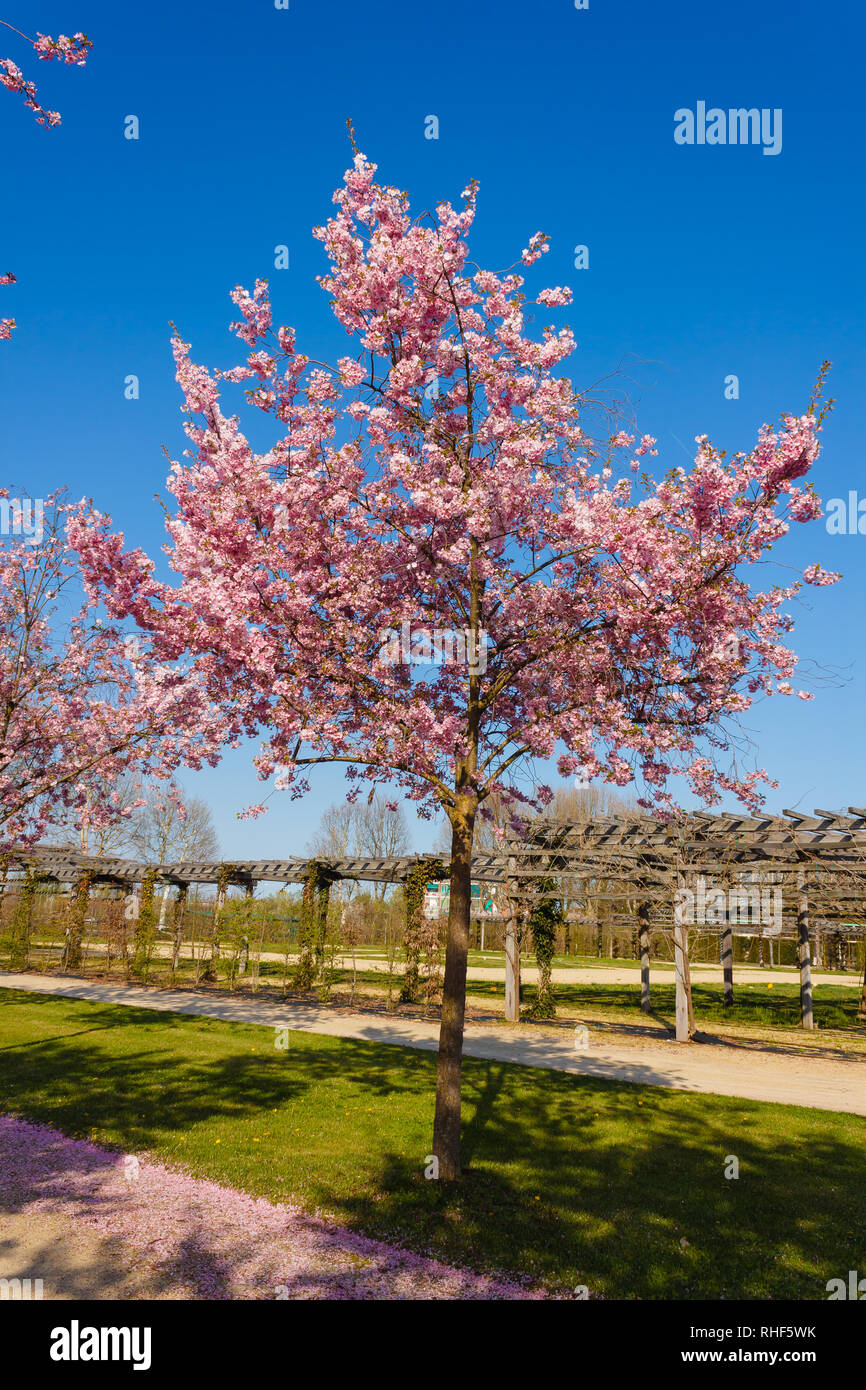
pixel 834 1006
pixel 569 1180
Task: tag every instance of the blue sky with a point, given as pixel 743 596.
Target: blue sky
pixel 704 261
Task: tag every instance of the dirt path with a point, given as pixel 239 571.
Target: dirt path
pixel 731 1067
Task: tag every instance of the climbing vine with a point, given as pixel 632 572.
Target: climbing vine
pixel 421 936
pixel 313 926
pixel 21 923
pixel 73 955
pixel 143 937
pixel 544 921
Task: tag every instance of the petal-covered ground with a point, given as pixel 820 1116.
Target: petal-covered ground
pixel 190 1238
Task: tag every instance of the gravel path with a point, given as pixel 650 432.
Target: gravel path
pixel 730 1068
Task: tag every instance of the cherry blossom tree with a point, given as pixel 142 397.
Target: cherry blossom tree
pixel 64 49
pixel 81 701
pixel 436 574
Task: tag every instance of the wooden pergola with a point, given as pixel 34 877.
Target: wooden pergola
pixel 647 867
pixel 652 869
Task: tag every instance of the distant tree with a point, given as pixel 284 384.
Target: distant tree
pixel 171 827
pixel 93 836
pixel 381 832
pixel 374 829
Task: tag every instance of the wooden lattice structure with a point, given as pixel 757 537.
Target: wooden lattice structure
pixel 648 868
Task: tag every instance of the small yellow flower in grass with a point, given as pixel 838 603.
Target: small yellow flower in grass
pixel 218 1141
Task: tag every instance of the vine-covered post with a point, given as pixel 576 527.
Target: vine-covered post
pixel 177 924
pixel 313 925
pixel 643 936
pixel 5 860
pixel 544 921
pixel 22 923
pixel 419 929
pixel 73 954
pixel 804 951
pixel 142 947
pixel 323 900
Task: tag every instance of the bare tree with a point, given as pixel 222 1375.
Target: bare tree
pixel 376 829
pixel 381 832
pixel 171 827
pixel 335 839
pixel 76 823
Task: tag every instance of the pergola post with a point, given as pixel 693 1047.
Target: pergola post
pixel 643 933
pixel 177 923
pixel 22 921
pixel 314 923
pixel 420 934
pixel 244 954
pixel 211 965
pixel 144 929
pixel 804 951
pixel 73 951
pixel 681 969
pixel 727 958
pixel 512 954
pixel 163 907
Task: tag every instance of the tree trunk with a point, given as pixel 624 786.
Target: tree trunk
pixel 446 1124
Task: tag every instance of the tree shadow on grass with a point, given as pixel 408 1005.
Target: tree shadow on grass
pixel 572 1180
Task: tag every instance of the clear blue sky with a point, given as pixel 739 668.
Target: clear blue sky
pixel 704 261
